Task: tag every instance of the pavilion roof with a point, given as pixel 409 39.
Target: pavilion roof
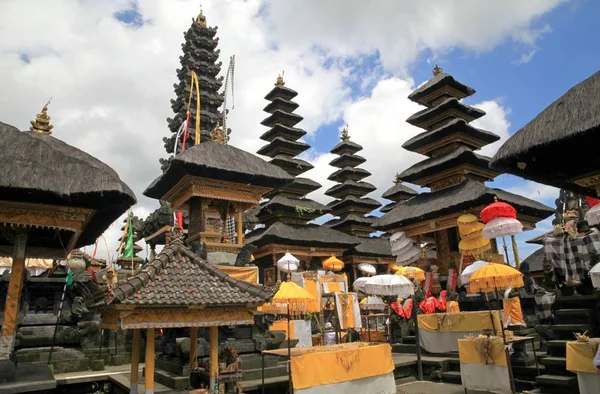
pixel 437 82
pixel 373 247
pixel 311 235
pixel 535 261
pixel 399 190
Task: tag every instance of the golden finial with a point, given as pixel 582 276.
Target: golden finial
pixel 345 136
pixel 41 124
pixel 397 179
pixel 437 70
pixel 217 134
pixel 279 81
pixel 201 19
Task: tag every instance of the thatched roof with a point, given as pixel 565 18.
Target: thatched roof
pixel 535 261
pixel 281 145
pixel 301 235
pixel 437 82
pixel 388 207
pixel 355 174
pixel 347 160
pixel 433 165
pixel 301 186
pixel 455 126
pixel 282 117
pixel 450 105
pixel 346 147
pixel 281 202
pixel 568 126
pixel 291 165
pixel 281 104
pixel 539 240
pixel 341 190
pixel 280 91
pixel 352 201
pixel 466 195
pixel 212 160
pixel 399 192
pixel 279 130
pixel 39 168
pixel 351 219
pixel 372 247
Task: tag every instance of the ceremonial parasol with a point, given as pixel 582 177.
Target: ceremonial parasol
pixel 472 242
pixel 500 220
pixel 411 272
pixel 474 246
pixel 359 284
pixel 467 272
pixel 595 275
pixel 333 264
pixel 372 303
pixel 399 243
pixel 288 263
pixel 593 214
pixel 389 285
pixel 408 256
pixel 367 269
pixel 394 267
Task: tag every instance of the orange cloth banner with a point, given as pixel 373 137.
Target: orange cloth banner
pixel 246 274
pixel 312 286
pixel 340 363
pixel 512 311
pixel 282 325
pixel 580 355
pixel 475 351
pixel 461 322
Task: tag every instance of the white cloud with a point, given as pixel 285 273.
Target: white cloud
pixel 111 83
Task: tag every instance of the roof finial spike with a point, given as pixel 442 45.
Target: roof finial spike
pixel 41 124
pixel 201 19
pixel 217 134
pixel 280 81
pixel 397 179
pixel 345 135
pixel 437 70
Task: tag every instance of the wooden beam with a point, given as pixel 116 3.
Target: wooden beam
pixel 297 251
pixel 213 357
pixel 135 361
pixel 149 361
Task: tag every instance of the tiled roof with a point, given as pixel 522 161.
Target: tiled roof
pixel 178 277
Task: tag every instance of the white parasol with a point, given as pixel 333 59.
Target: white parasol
pixel 595 273
pixel 389 285
pixel 409 256
pixel 593 215
pixel 359 284
pixel 372 303
pixel 467 272
pixel 502 226
pixel 367 269
pixel 288 263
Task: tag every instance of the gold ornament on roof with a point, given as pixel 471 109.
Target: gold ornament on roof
pixel 397 180
pixel 217 134
pixel 41 124
pixel 345 135
pixel 437 70
pixel 279 81
pixel 201 19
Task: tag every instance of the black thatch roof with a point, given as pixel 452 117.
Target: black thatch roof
pixel 291 165
pixel 449 105
pixel 388 207
pixel 355 174
pixel 281 202
pixel 352 201
pixel 279 130
pixel 280 91
pixel 341 190
pixel 455 126
pixel 535 261
pixel 281 145
pixel 351 219
pixel 280 117
pixel 301 186
pixel 468 194
pixel 570 125
pixel 399 192
pixel 346 147
pixel 539 240
pixel 437 82
pixel 281 104
pixel 372 247
pixel 433 165
pixel 346 160
pixel 39 168
pixel 178 277
pixel 301 235
pixel 212 160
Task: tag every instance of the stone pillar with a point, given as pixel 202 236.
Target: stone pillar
pixel 193 347
pixel 11 310
pixel 149 361
pixel 135 362
pixel 214 357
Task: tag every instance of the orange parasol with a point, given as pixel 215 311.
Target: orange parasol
pixel 412 272
pixel 299 300
pixel 495 277
pixel 333 264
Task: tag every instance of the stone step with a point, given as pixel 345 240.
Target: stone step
pixel 524 385
pixel 527 372
pixel 405 348
pixel 451 377
pixel 550 360
pixel 409 339
pixel 557 347
pixel 555 365
pixel 566 331
pixel 170 380
pixel 408 379
pixel 575 316
pixel 579 301
pixel 272 372
pixel 551 383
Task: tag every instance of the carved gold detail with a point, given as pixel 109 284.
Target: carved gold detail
pixel 218 135
pixel 41 124
pixel 345 136
pixel 589 182
pixel 201 19
pixel 279 81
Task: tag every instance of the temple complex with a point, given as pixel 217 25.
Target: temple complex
pixel 287 213
pixel 453 172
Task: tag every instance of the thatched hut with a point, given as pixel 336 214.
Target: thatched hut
pixel 560 146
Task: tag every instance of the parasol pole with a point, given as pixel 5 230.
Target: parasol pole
pixel 506 352
pixel 505 250
pixel 491 314
pixel 515 251
pixel 289 365
pixel 417 340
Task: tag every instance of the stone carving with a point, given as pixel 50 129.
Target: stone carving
pixel 78 307
pixel 244 255
pixel 549 275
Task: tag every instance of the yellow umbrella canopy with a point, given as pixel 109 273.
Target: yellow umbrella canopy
pixel 492 277
pixel 394 267
pixel 300 301
pixel 411 272
pixel 333 264
pixel 469 226
pixel 474 246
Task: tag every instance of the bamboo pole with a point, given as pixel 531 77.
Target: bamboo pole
pixel 135 362
pixel 149 361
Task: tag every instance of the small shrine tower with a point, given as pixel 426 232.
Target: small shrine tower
pixel 397 193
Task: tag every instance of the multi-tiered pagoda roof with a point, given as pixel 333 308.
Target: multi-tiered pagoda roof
pixel 397 194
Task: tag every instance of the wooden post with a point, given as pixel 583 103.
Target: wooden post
pixel 214 357
pixel 135 362
pixel 515 251
pixel 193 347
pixel 240 228
pixel 13 300
pixel 149 361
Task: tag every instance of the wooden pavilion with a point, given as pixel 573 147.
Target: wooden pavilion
pixel 54 198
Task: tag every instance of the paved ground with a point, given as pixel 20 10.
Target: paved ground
pixel 433 388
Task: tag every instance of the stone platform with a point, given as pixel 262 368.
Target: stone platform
pixel 31 378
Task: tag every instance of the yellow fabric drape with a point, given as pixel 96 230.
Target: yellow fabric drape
pixel 512 310
pixel 246 274
pixel 452 307
pixel 340 363
pixel 334 287
pixel 347 308
pixel 282 325
pixel 471 351
pixel 195 84
pixel 313 288
pixel 580 356
pixel 459 322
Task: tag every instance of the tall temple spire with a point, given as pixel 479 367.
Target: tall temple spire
pixel 200 54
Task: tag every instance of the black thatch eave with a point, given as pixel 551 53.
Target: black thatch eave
pixel 454 158
pixel 569 124
pixel 285 203
pixel 438 81
pixel 280 130
pixel 42 169
pixel 291 165
pixel 539 240
pixel 346 147
pixel 301 186
pixel 285 118
pixel 217 161
pixel 454 126
pixel 351 219
pixel 352 201
pixel 282 105
pixel 388 207
pixel 466 195
pixel 340 190
pixel 372 247
pixel 352 173
pixel 301 235
pixel 446 105
pixel 399 192
pixel 535 261
pixel 281 145
pixel 281 92
pixel 347 161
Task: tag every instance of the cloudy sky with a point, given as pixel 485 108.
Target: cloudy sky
pixel 109 67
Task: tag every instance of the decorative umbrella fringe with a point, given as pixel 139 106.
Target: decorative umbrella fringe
pixel 490 284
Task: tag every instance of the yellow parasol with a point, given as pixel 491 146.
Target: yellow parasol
pixel 411 272
pixel 474 246
pixel 495 277
pixel 333 264
pixel 299 300
pixel 394 267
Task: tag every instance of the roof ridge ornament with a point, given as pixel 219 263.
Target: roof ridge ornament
pixel 397 179
pixel 217 134
pixel 41 124
pixel 280 81
pixel 437 70
pixel 345 136
pixel 201 19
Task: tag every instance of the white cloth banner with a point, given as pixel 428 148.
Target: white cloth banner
pixel 298 278
pixel 442 341
pixel 383 384
pixel 589 383
pixel 302 332
pixel 339 301
pixel 488 378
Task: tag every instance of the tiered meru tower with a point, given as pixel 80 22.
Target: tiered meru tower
pixel 286 215
pixel 453 171
pixel 397 194
pixel 200 54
